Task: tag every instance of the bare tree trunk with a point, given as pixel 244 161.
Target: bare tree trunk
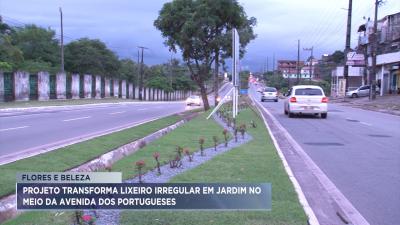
pixel 203 93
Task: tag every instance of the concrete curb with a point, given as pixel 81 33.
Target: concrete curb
pixel 23 109
pixel 8 203
pixel 346 211
pixel 312 219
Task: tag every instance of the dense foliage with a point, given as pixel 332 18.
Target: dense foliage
pixel 33 49
pixel 201 30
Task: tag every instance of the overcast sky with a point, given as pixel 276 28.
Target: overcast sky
pixel 125 24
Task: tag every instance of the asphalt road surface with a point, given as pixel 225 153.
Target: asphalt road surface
pixel 35 130
pixel 358 150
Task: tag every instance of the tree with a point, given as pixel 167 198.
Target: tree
pixel 200 29
pixel 128 70
pixel 91 57
pixel 38 45
pixel 10 55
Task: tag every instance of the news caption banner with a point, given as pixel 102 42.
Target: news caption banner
pixel 105 190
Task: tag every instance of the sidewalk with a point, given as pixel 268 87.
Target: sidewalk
pixel 386 104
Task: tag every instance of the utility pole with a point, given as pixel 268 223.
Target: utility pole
pixel 62 41
pixel 311 59
pixel 372 76
pixel 273 64
pixel 267 65
pixel 141 74
pixel 347 48
pixel 298 61
pixel 216 81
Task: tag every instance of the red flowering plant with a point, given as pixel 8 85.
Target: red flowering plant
pixel 201 142
pixel 88 219
pixel 156 156
pixel 139 166
pixel 189 154
pixel 215 139
pixel 225 133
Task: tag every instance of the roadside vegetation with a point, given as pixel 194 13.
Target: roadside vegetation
pixel 74 155
pixel 256 161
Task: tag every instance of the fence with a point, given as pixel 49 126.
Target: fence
pixel 22 86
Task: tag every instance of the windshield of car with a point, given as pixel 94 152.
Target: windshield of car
pixel 308 91
pixel 269 90
pixel 194 97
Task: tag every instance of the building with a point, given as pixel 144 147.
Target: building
pixel 388 52
pixel 355 80
pixel 308 70
pixel 288 68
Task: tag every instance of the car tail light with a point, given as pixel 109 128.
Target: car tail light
pixel 293 99
pixel 324 100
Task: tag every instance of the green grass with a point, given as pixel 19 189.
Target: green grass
pixel 256 161
pixel 36 218
pixel 186 136
pixel 59 102
pixel 77 154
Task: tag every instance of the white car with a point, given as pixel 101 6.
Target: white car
pixel 306 99
pixel 269 93
pixel 193 100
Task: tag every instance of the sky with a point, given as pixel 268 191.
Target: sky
pixel 125 24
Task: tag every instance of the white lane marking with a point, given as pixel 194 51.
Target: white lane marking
pixel 142 109
pixel 79 118
pixel 368 124
pixel 113 113
pixel 13 128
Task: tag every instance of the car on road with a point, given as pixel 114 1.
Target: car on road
pixel 269 93
pixel 193 100
pixel 306 99
pixel 360 92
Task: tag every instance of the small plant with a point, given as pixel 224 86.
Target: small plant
pixel 233 122
pixel 156 156
pixel 139 166
pixel 78 217
pixel 253 124
pixel 225 133
pixel 201 142
pixel 108 168
pixel 179 151
pixel 228 121
pixel 242 129
pixel 235 132
pixel 190 155
pixel 88 219
pixel 175 162
pixel 215 139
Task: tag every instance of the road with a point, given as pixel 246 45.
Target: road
pixel 50 128
pixel 358 150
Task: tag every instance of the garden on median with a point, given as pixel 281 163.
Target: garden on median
pixel 256 161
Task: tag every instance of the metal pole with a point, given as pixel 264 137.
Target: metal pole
pixel 141 74
pixel 62 40
pixel 347 48
pixel 298 61
pixel 372 82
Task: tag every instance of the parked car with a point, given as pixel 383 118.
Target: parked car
pixel 269 93
pixel 360 92
pixel 306 99
pixel 193 100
